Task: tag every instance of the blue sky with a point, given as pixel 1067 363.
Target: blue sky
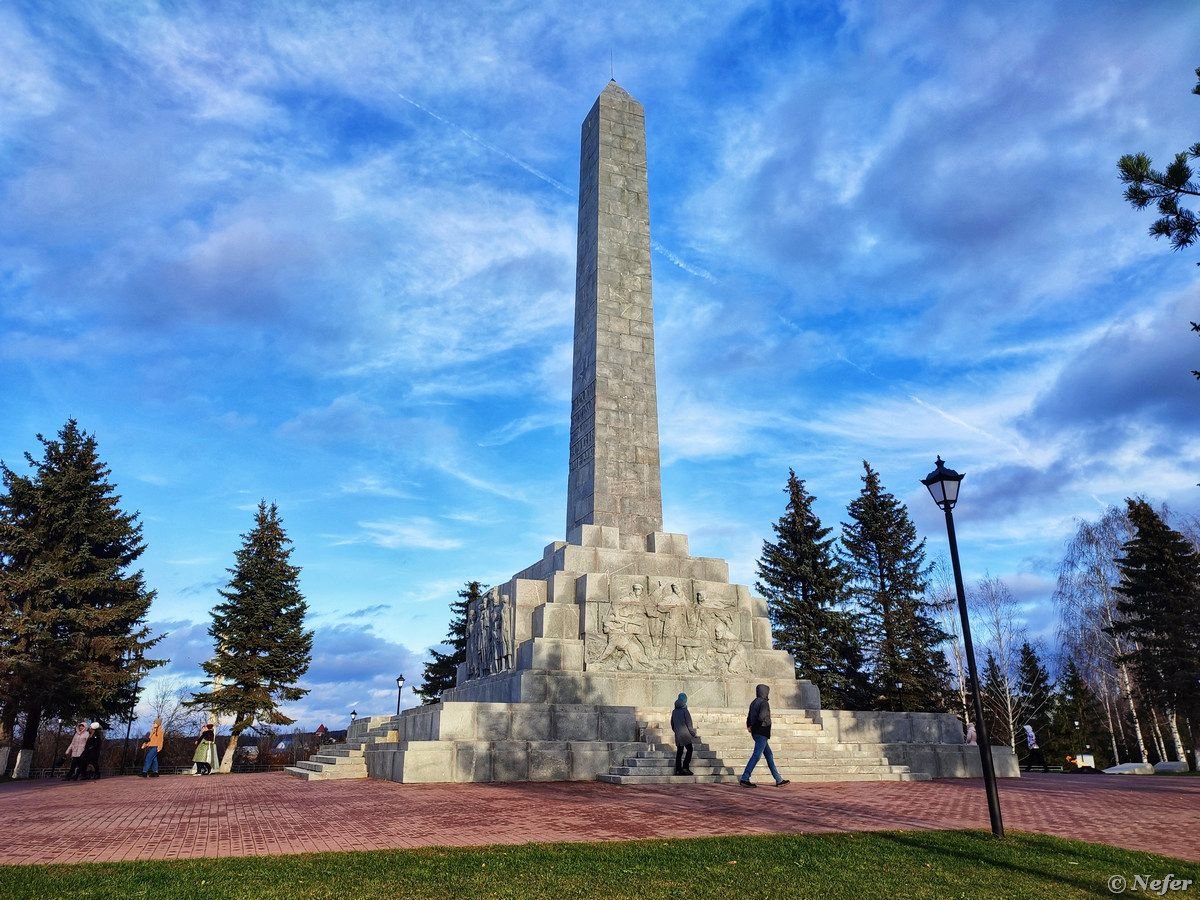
pixel 324 255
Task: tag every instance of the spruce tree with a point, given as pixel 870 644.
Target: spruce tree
pixel 262 647
pixel 997 703
pixel 73 633
pixel 1035 692
pixel 441 672
pixel 803 582
pixel 1159 608
pixel 1078 724
pixel 887 577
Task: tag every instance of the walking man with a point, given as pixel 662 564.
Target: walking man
pixel 91 752
pixel 758 723
pixel 153 745
pixel 1036 756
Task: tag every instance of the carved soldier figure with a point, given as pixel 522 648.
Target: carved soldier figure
pixel 472 647
pixel 652 642
pixel 693 641
pixel 497 632
pixel 506 633
pixel 625 625
pixel 722 628
pixel 672 608
pixel 484 643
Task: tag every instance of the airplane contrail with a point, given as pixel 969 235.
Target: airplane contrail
pixel 900 386
pixel 553 182
pixel 537 173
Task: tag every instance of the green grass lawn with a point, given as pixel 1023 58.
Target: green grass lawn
pixel 864 866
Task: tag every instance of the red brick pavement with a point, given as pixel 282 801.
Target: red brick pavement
pixel 238 815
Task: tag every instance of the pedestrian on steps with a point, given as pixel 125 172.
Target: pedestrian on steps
pixel 681 724
pixel 758 723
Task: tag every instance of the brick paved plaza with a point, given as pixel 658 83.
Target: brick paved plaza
pixel 181 817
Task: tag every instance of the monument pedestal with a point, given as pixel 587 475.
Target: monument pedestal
pixel 575 663
pixel 596 623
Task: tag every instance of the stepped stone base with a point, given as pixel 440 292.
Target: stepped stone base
pixel 620 689
pixel 574 666
pixel 485 742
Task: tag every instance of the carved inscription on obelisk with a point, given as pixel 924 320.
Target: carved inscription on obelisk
pixel 614 469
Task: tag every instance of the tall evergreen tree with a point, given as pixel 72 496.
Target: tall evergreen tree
pixel 262 647
pixel 997 707
pixel 73 633
pixel 1160 611
pixel 1035 691
pixel 886 565
pixel 804 584
pixel 1078 723
pixel 441 672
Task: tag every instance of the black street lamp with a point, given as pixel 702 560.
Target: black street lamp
pixel 353 716
pixel 943 486
pixel 399 691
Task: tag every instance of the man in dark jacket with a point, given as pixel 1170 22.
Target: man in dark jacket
pixel 681 725
pixel 91 752
pixel 758 723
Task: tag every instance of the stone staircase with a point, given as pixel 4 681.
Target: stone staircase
pixel 803 752
pixel 345 760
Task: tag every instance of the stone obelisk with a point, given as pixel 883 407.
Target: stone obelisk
pixel 573 664
pixel 614 470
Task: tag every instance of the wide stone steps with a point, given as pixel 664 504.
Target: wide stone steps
pixel 802 750
pixel 787 771
pixel 794 778
pixel 345 760
pixel 315 771
pixel 782 760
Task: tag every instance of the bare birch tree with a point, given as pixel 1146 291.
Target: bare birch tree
pixel 944 598
pixel 995 608
pixel 1087 603
pixel 166 698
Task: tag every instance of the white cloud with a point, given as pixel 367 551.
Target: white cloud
pixel 420 533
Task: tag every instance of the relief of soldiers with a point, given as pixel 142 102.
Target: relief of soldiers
pixel 472 647
pixel 672 607
pixel 625 627
pixel 496 632
pixel 721 629
pixel 506 633
pixel 642 616
pixel 693 641
pixel 484 634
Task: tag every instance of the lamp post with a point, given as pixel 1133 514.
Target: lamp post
pixel 353 716
pixel 943 487
pixel 399 691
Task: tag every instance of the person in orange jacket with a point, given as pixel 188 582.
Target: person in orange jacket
pixel 154 744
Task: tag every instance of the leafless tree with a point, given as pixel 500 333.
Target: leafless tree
pixel 994 607
pixel 166 701
pixel 1087 604
pixel 944 598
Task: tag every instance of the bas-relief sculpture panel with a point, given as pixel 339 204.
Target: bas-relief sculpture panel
pixel 668 626
pixel 491 635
